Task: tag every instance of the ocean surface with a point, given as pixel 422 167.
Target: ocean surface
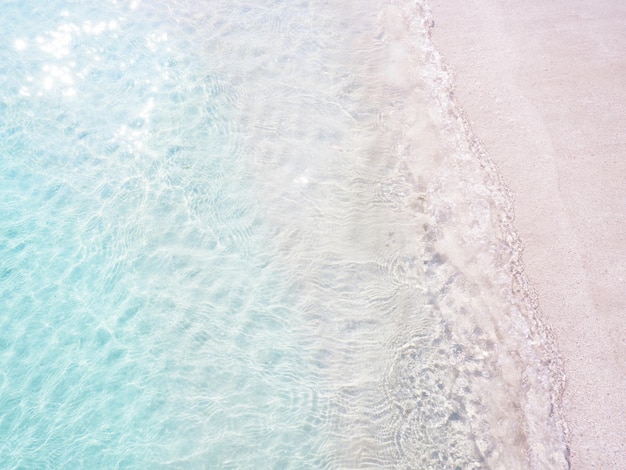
pixel 256 235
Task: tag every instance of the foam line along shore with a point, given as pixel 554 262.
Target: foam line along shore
pixel 543 86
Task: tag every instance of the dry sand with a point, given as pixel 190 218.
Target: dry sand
pixel 543 84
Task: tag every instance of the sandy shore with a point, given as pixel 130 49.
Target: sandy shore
pixel 543 84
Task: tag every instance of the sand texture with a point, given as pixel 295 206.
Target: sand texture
pixel 543 84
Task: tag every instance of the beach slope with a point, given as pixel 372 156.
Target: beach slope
pixel 543 85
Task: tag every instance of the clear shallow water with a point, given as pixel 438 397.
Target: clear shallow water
pixel 244 235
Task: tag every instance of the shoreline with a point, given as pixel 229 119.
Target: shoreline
pixel 543 87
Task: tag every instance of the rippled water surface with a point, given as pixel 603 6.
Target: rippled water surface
pixel 255 235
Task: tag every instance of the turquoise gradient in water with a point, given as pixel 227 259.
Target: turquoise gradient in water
pixel 143 321
pixel 245 234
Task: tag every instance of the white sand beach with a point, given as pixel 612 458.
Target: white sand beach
pixel 543 85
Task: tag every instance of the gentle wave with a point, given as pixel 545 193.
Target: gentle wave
pixel 244 235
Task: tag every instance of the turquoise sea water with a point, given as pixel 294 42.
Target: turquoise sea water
pixel 254 235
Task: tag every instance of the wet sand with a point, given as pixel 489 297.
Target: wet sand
pixel 543 85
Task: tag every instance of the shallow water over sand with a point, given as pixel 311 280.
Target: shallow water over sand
pixel 244 235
